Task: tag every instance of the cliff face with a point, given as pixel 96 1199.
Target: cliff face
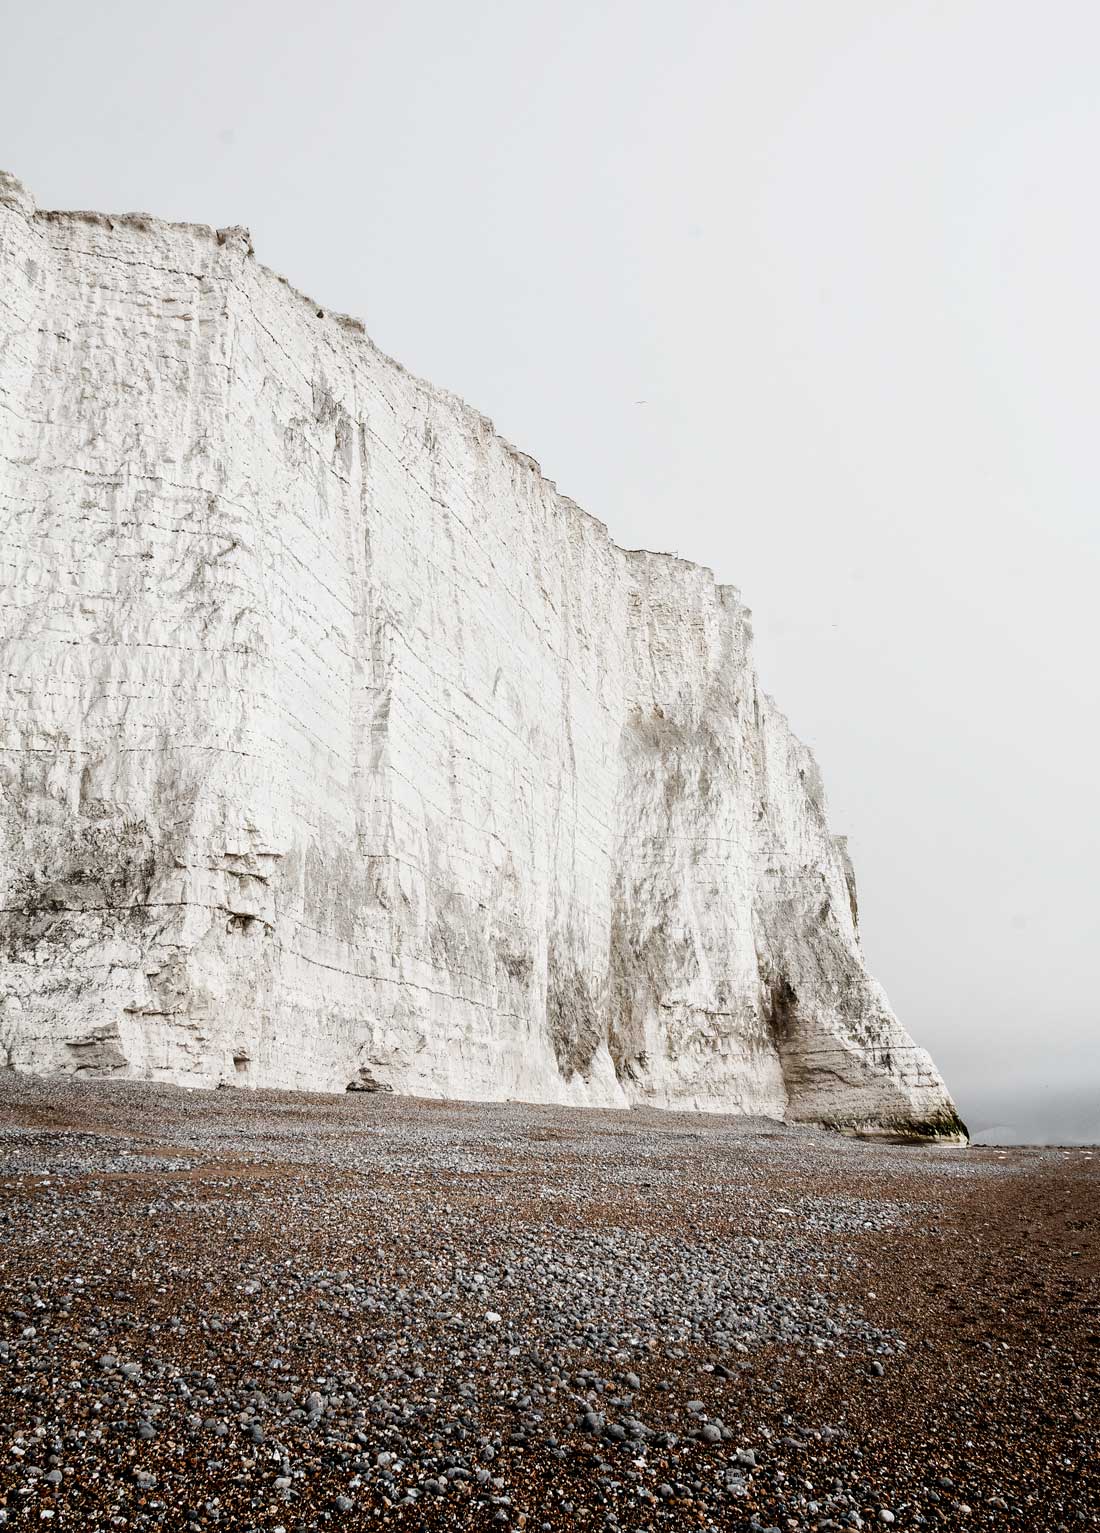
pixel 337 747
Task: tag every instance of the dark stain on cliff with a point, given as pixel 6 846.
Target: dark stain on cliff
pixel 571 1015
pixel 103 868
pixel 780 1009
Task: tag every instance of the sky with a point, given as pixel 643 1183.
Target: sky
pixel 806 292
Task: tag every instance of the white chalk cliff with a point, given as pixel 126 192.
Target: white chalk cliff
pixel 338 748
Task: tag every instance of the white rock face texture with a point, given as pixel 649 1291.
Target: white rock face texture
pixel 337 747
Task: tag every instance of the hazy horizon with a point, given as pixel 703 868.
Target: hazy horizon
pixel 805 294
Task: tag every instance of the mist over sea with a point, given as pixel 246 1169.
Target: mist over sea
pixel 1023 1114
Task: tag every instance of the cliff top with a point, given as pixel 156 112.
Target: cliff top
pixel 15 194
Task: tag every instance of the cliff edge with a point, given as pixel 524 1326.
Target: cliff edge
pixel 338 749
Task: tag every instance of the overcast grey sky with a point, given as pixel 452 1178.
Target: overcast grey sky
pixel 845 251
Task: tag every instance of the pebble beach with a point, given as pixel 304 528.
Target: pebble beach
pixel 264 1310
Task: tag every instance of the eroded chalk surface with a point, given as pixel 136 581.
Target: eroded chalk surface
pixel 338 748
